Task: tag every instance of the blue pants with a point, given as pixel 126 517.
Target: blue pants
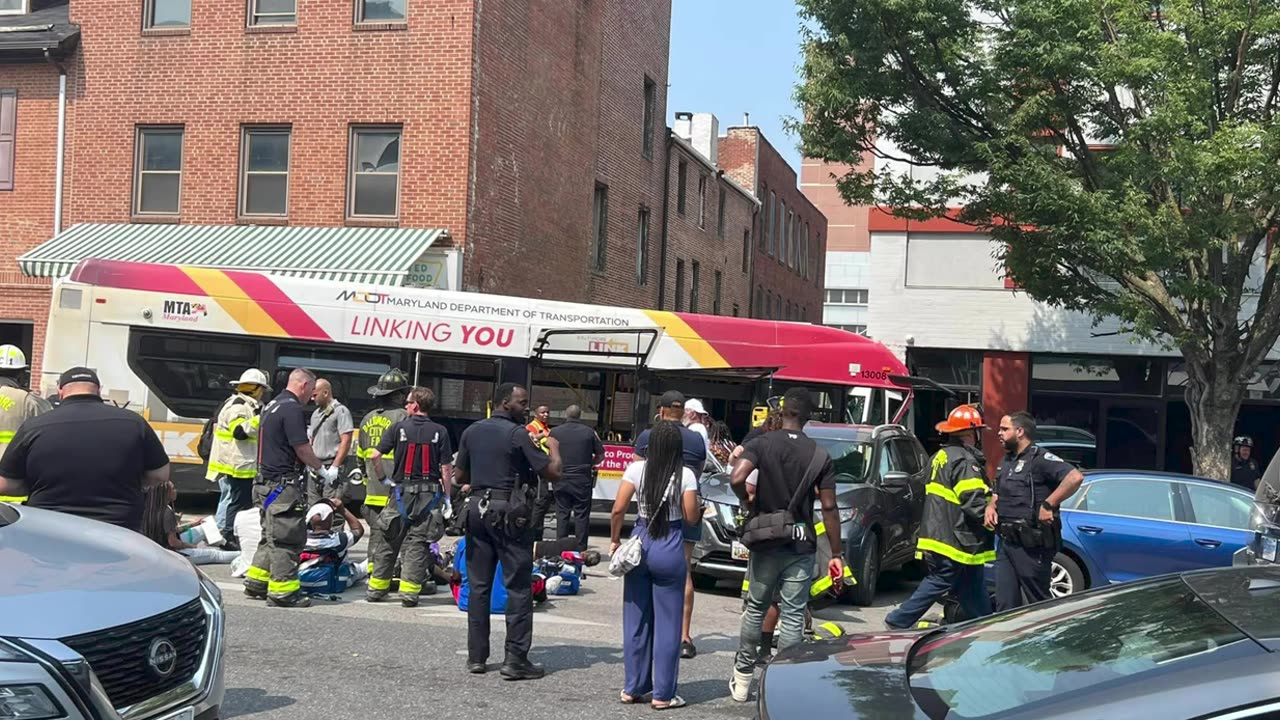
pixel 237 495
pixel 652 615
pixel 945 575
pixel 782 573
pixel 1022 573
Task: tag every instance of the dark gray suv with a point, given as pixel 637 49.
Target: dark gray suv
pixel 880 477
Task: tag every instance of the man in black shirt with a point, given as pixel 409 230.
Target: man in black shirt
pixel 413 518
pixel 580 451
pixel 784 458
pixel 280 491
pixel 86 457
pixel 1245 471
pixel 499 461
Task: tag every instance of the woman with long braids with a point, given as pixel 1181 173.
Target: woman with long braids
pixel 666 495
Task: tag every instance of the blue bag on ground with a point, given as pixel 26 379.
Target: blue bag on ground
pixel 319 577
pixel 497 597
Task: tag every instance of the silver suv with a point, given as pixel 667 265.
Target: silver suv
pixel 100 622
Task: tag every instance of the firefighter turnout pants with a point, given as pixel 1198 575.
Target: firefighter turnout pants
pixel 274 572
pixel 412 536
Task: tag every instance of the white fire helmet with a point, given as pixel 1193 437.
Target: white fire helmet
pixel 12 358
pixel 253 376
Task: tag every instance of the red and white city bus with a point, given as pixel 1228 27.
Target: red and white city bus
pixel 168 340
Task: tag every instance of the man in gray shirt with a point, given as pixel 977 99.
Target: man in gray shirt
pixel 330 432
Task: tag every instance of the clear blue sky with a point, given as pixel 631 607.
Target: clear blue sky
pixel 734 56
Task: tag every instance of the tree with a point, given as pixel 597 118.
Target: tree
pixel 1125 155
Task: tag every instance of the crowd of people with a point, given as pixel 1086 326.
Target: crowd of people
pixel 509 471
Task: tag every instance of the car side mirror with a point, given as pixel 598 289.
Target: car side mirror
pixel 897 478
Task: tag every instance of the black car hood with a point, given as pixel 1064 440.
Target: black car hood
pixel 859 677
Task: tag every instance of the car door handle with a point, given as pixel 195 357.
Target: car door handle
pixel 1089 529
pixel 1206 542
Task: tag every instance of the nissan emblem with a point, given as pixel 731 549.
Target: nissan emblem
pixel 162 657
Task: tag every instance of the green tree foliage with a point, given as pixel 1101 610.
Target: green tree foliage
pixel 1125 154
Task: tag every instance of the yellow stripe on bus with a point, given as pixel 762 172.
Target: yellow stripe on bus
pixel 677 329
pixel 244 310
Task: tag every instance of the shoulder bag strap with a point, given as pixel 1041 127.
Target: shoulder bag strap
pixel 806 482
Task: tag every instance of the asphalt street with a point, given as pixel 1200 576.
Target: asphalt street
pixel 349 658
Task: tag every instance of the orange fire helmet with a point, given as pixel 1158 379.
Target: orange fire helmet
pixel 964 417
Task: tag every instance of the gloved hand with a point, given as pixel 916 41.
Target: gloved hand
pixel 356 477
pixel 329 474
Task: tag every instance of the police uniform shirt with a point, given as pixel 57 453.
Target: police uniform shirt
pixel 497 451
pixel 437 449
pixel 86 458
pixel 1032 471
pixel 283 427
pixel 579 446
pixel 1245 473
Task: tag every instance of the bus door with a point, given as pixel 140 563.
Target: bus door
pixel 727 393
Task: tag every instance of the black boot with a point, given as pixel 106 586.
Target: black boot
pixel 521 669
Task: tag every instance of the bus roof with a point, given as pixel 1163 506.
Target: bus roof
pixel 258 304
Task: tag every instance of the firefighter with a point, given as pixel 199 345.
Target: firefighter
pixel 954 541
pixel 390 394
pixel 283 452
pixel 233 457
pixel 414 517
pixel 16 402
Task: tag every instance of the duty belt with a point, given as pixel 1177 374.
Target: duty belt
pixel 281 482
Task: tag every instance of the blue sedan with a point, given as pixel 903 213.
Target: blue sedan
pixel 1130 524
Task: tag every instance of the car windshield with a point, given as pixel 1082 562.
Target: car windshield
pixel 851 458
pixel 1039 653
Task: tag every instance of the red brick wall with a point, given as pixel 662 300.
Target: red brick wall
pixel 560 108
pixel 688 241
pixel 738 155
pixel 1006 382
pixel 27 210
pixel 320 78
pixel 847 224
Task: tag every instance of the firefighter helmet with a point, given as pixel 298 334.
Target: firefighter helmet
pixel 252 376
pixel 12 358
pixel 391 381
pixel 964 417
pixel 1239 441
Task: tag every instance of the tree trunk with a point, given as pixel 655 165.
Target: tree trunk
pixel 1214 395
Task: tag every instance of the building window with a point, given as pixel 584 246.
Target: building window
pixel 746 251
pixel 682 177
pixel 375 172
pixel 642 247
pixel 381 11
pixel 859 329
pixel 768 304
pixel 759 301
pixel 8 136
pixel 779 217
pixel 13 7
pixel 846 297
pixel 158 181
pixel 804 252
pixel 167 14
pixel 715 299
pixel 788 249
pixel 764 218
pixel 702 200
pixel 817 261
pixel 679 285
pixel 599 227
pixel 777 307
pixel 650 111
pixel 273 12
pixel 720 213
pixel 693 287
pixel 786 310
pixel 264 184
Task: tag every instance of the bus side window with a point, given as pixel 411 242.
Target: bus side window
pixel 190 374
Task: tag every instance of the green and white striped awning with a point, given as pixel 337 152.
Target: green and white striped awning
pixel 381 256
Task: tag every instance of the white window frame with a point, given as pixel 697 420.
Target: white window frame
pixel 361 20
pixel 245 172
pixel 254 16
pixel 149 12
pixel 139 171
pixel 24 7
pixel 353 171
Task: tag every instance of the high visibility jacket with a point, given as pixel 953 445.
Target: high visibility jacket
pixel 378 421
pixel 16 405
pixel 954 506
pixel 230 455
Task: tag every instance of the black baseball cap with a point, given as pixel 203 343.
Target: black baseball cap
pixel 78 375
pixel 671 398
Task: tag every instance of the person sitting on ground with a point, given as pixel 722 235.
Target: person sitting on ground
pixel 161 523
pixel 327 546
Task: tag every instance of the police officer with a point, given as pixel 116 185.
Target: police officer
pixel 1244 468
pixel 16 404
pixel 497 458
pixel 1031 486
pixel 953 541
pixel 280 490
pixel 389 394
pixel 414 517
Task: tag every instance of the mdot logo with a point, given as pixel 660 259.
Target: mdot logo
pixel 371 298
pixel 184 311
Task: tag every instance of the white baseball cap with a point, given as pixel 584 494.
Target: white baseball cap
pixel 695 405
pixel 323 509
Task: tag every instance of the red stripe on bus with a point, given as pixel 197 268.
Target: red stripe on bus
pixel 288 314
pixel 136 276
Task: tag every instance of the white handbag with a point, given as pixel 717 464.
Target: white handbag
pixel 627 557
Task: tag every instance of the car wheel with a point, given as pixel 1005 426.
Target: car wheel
pixel 867 574
pixel 1066 577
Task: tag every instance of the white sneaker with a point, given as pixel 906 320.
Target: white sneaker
pixel 740 685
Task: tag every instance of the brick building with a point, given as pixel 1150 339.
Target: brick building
pixel 706 249
pixel 847 277
pixel 37 54
pixel 790 238
pixel 513 127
